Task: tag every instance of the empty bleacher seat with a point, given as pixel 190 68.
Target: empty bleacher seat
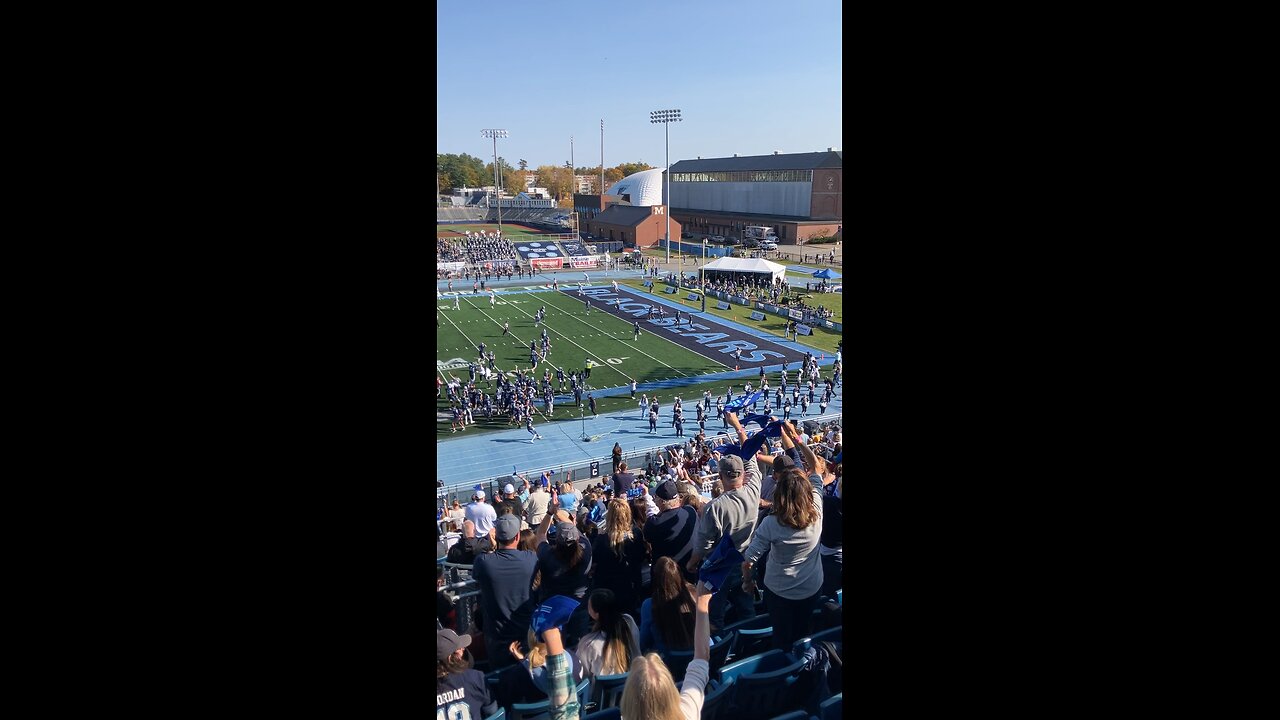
pixel 606 690
pixel 830 708
pixel 715 700
pixel 762 683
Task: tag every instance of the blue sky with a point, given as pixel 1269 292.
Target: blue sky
pixel 750 77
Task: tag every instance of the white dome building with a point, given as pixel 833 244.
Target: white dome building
pixel 645 188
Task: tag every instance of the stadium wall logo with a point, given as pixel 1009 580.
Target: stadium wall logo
pixel 454 364
pixel 750 351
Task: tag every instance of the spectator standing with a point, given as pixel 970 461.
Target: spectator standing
pixel 791 534
pixel 568 498
pixel 480 513
pixel 733 513
pixel 469 547
pixel 535 508
pixel 622 480
pixel 563 561
pixel 617 448
pixel 504 578
pixel 618 555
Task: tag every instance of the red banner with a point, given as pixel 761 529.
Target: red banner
pixel 547 263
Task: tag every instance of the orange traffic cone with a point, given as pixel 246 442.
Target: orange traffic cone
pixel 735 367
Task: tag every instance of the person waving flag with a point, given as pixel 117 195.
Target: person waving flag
pixel 744 401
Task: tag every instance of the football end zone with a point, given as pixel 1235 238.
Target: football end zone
pixel 702 334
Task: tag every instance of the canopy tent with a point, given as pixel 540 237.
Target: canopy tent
pixel 748 265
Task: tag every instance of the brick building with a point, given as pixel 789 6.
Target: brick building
pixel 799 195
pixel 636 226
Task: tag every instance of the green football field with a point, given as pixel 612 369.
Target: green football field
pixel 574 334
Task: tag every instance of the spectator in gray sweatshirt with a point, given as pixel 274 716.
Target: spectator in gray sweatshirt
pixel 735 512
pixel 790 533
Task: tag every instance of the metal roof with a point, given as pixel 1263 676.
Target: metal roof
pixel 794 161
pixel 628 215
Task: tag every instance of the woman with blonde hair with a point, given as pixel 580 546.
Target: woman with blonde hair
pixel 618 554
pixel 650 692
pixel 791 533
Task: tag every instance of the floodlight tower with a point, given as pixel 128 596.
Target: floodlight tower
pixel 666 117
pixel 495 134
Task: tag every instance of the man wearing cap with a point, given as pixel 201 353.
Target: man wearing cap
pixel 481 514
pixel 564 559
pixel 670 533
pixel 510 503
pixel 460 690
pixel 535 508
pixel 735 512
pixel 504 577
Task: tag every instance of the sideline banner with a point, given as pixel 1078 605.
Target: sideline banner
pixel 803 329
pixel 583 261
pixel 547 263
pixel 722 306
pixel 692 296
pixel 796 314
pixel 452 266
pixel 669 290
pixel 757 315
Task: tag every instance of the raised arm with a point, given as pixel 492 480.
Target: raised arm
pixel 540 536
pixel 560 690
pixel 733 420
pixel 702 624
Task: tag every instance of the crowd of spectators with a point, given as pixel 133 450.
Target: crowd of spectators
pixel 628 551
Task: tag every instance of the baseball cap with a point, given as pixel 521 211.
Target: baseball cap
pixel 448 642
pixel 509 489
pixel 566 533
pixel 730 466
pixel 782 462
pixel 667 490
pixel 480 494
pixel 508 527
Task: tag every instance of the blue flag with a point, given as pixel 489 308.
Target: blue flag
pixel 760 420
pixel 744 401
pixel 553 613
pixel 718 564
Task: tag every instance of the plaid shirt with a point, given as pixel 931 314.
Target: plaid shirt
pixel 560 689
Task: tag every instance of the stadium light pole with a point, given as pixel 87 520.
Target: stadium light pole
pixel 666 117
pixel 495 134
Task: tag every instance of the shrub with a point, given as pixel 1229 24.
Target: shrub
pixel 820 239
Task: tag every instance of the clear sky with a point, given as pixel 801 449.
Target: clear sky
pixel 749 77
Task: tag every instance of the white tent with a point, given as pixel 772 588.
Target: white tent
pixel 748 265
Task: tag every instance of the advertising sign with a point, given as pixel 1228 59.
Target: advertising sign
pixel 802 329
pixel 669 290
pixel 692 296
pixel 796 314
pixel 583 261
pixel 757 315
pixel 547 263
pixel 722 306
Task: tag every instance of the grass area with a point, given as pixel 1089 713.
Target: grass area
pixel 575 336
pixel 822 338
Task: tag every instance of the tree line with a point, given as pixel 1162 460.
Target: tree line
pixel 456 171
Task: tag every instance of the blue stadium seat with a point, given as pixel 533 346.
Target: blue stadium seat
pixel 756 623
pixel 541 710
pixel 612 713
pixel 763 683
pixel 500 715
pixel 830 708
pixel 793 715
pixel 606 690
pixel 715 700
pixel 834 634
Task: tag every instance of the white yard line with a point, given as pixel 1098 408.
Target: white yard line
pixel 475 348
pixel 588 352
pixel 624 342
